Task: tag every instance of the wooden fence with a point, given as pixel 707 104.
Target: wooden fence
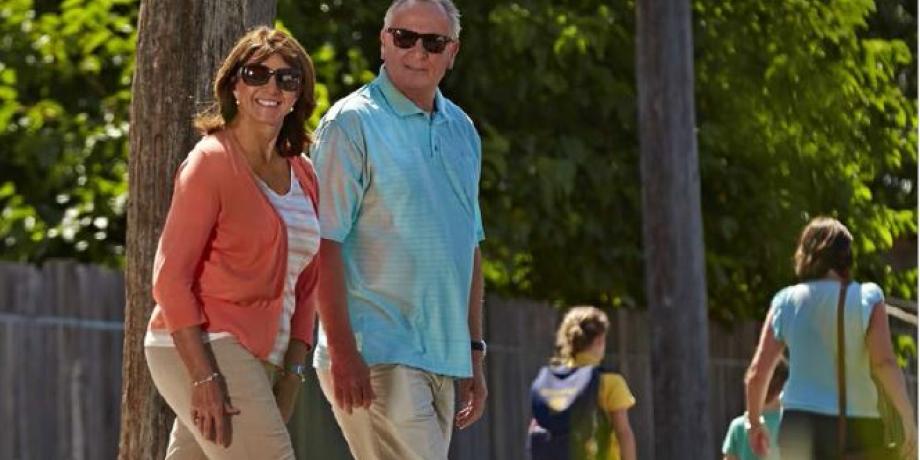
pixel 60 361
pixel 60 371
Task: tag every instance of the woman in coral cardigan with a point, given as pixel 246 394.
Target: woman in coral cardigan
pixel 236 267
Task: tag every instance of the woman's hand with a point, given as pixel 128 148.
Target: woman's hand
pixel 286 390
pixel 759 439
pixel 211 410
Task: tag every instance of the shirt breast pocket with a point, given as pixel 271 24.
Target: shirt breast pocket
pixel 460 166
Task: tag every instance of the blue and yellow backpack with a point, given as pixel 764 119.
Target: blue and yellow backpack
pixel 568 423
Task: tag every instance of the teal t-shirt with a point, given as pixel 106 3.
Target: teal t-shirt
pixel 805 319
pixel 399 190
pixel 736 439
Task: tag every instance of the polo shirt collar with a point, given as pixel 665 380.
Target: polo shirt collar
pixel 400 103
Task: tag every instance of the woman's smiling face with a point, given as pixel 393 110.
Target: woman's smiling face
pixel 266 104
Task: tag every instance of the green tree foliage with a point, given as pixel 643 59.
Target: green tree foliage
pixel 799 116
pixel 804 108
pixel 65 74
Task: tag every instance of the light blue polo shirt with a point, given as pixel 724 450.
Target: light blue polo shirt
pixel 399 190
pixel 805 319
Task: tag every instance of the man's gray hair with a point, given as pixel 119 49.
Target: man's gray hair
pixel 448 5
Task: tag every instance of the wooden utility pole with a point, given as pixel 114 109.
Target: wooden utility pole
pixel 673 231
pixel 180 45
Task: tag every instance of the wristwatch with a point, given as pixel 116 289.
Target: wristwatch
pixel 299 370
pixel 479 345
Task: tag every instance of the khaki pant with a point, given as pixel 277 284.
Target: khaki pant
pixel 258 431
pixel 411 417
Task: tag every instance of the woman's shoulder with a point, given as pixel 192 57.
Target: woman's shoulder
pixel 871 293
pixel 304 161
pixel 212 146
pixel 210 156
pixel 787 294
pixel 211 149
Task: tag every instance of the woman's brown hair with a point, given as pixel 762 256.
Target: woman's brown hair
pixel 257 46
pixel 825 244
pixel 580 327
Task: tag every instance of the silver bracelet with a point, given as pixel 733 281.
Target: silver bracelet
pixel 207 379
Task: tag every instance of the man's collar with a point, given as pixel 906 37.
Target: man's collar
pixel 399 102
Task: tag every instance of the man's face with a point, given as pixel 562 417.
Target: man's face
pixel 416 70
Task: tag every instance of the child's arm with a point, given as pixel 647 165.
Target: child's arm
pixel 624 433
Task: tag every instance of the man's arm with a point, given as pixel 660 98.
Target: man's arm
pixel 350 374
pixel 473 391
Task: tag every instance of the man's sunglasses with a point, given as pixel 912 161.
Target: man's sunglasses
pixel 287 79
pixel 405 39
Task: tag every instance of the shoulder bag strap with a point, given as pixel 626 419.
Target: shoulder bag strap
pixel 841 373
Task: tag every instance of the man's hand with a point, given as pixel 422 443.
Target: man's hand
pixel 351 381
pixel 473 394
pixel 286 389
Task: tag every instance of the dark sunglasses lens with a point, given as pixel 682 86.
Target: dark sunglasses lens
pixel 434 44
pixel 288 80
pixel 404 38
pixel 256 74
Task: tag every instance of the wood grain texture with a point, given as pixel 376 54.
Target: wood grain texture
pixel 672 229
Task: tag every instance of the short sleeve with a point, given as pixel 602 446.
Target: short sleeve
pixel 777 307
pixel 871 295
pixel 614 393
pixel 339 163
pixel 733 438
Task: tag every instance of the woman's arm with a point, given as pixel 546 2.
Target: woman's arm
pixel 624 433
pixel 888 375
pixel 288 386
pixel 189 224
pixel 769 351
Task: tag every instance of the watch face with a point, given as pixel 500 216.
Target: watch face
pixel 478 345
pixel 299 369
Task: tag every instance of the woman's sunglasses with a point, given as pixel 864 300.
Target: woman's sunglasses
pixel 287 79
pixel 405 39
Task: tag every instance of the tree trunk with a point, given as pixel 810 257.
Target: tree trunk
pixel 672 230
pixel 180 45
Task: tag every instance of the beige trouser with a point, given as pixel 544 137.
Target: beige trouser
pixel 258 431
pixel 411 417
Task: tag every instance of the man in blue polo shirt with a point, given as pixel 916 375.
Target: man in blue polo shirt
pixel 400 297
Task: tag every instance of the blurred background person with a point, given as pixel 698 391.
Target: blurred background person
pixel 803 317
pixel 579 408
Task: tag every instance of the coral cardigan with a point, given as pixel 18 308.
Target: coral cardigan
pixel 222 256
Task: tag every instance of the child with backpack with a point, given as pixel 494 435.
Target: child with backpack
pixel 579 408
